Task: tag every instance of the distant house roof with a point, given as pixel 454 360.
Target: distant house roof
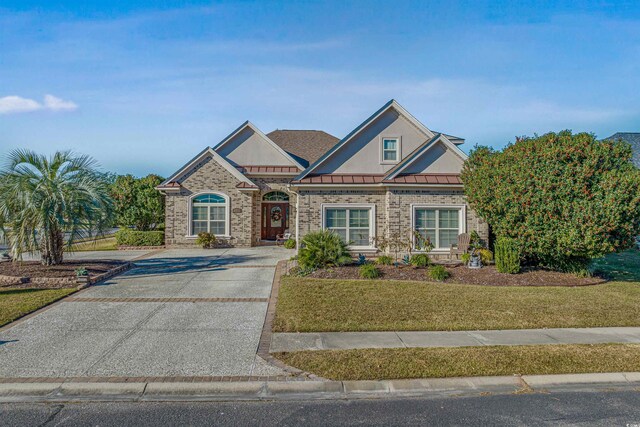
pixel 306 146
pixel 633 138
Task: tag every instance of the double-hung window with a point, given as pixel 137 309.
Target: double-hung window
pixel 209 214
pixel 441 225
pixel 390 150
pixel 353 224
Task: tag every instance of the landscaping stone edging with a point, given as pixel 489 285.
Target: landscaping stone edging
pixel 163 389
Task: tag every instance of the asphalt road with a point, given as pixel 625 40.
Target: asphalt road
pixel 584 408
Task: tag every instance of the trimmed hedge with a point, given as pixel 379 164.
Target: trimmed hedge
pixel 507 255
pixel 126 237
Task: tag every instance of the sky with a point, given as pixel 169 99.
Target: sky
pixel 143 86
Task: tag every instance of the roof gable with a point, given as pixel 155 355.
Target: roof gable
pixel 390 120
pixel 203 156
pixel 247 145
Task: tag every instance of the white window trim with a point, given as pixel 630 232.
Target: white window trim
pixel 372 219
pixel 227 222
pixel 462 221
pixel 398 150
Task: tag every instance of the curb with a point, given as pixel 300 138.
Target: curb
pixel 312 390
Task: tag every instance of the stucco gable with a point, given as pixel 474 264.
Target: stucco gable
pixel 248 145
pixel 360 151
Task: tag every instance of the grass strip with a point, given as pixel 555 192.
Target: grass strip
pixel 17 302
pixel 440 362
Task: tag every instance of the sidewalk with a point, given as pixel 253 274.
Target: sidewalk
pixel 285 342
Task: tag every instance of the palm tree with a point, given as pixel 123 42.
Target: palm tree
pixel 42 200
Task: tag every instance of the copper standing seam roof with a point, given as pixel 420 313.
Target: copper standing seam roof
pixel 433 178
pixel 269 169
pixel 171 184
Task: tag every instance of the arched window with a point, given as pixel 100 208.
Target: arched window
pixel 276 196
pixel 209 214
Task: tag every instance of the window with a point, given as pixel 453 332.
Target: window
pixel 353 224
pixel 390 150
pixel 440 225
pixel 209 214
pixel 276 196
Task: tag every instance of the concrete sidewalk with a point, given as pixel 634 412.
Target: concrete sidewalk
pixel 284 342
pixel 61 391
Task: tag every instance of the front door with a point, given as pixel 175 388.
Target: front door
pixel 275 219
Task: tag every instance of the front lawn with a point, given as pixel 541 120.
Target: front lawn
pixel 378 364
pixel 308 305
pixel 15 303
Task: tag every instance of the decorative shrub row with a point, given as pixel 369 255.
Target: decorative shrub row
pixel 126 237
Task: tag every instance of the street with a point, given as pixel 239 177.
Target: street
pixel 596 408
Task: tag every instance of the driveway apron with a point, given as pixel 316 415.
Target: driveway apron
pixel 178 313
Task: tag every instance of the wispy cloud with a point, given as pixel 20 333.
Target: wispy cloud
pixel 14 104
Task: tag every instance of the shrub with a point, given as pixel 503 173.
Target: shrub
pixel 419 260
pixel 507 255
pixel 438 273
pixel 290 243
pixel 321 249
pixel 300 272
pixel 384 260
pixel 362 259
pixel 465 257
pixel 126 237
pixel 369 271
pixel 206 240
pixel 486 256
pixel 564 198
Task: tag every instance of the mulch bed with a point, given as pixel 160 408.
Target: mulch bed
pixel 62 275
pixel 487 276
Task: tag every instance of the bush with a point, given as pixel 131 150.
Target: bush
pixel 126 237
pixel 290 243
pixel 369 271
pixel 438 273
pixel 507 255
pixel 465 257
pixel 563 198
pixel 384 260
pixel 419 260
pixel 321 249
pixel 486 256
pixel 298 271
pixel 206 240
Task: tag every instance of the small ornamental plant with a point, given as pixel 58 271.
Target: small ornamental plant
pixel 81 272
pixel 384 260
pixel 368 271
pixel 206 240
pixel 290 244
pixel 438 273
pixel 419 260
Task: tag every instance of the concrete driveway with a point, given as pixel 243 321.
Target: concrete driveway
pixel 178 313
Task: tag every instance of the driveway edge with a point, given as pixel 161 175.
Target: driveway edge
pixel 310 390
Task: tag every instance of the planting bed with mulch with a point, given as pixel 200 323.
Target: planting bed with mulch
pixel 32 274
pixel 487 276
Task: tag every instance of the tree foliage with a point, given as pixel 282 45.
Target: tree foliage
pixel 563 198
pixel 137 202
pixel 48 203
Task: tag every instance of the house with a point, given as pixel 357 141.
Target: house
pixel 633 138
pixel 390 175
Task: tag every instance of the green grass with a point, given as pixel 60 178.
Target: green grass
pixel 377 364
pixel 16 302
pixel 622 267
pixel 104 244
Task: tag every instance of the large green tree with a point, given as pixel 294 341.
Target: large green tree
pixel 48 203
pixel 564 198
pixel 137 202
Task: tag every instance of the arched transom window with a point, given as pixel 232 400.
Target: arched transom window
pixel 209 214
pixel 276 196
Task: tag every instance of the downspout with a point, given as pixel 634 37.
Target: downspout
pixel 297 217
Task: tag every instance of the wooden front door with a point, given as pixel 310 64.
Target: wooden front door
pixel 275 219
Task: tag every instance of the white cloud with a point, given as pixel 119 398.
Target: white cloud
pixel 14 104
pixel 56 104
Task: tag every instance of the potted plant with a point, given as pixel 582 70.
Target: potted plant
pixel 475 244
pixel 82 275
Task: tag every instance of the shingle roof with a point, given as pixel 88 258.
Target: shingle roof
pixel 633 138
pixel 306 146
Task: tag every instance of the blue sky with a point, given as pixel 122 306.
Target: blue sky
pixel 143 86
